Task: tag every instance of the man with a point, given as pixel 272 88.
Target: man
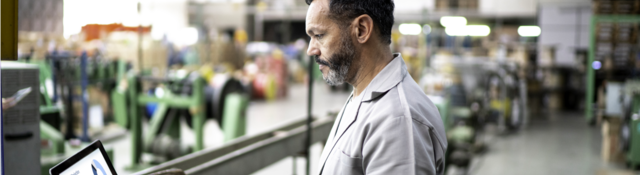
pixel 388 126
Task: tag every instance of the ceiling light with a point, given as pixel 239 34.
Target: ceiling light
pixel 529 31
pixel 452 21
pixel 456 31
pixel 410 29
pixel 477 30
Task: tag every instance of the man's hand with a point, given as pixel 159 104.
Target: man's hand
pixel 6 103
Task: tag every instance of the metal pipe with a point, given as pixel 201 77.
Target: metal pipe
pixel 197 158
pixel 254 157
pixel 85 105
pixel 295 165
pixel 139 39
pixel 309 102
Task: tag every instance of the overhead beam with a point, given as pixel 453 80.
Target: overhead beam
pixel 9 31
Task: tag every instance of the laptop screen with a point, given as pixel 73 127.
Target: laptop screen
pixel 92 164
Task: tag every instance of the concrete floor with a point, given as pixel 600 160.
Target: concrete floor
pixel 560 143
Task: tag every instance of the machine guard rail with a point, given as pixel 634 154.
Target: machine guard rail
pixel 248 154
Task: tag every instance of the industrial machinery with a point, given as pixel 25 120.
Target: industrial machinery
pixel 21 130
pixel 630 127
pixel 460 134
pixel 170 99
pixel 505 98
pixel 247 155
pixel 470 93
pixel 459 120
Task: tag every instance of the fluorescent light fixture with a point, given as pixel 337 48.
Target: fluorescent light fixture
pixel 185 36
pixel 470 30
pixel 529 31
pixel 410 29
pixel 456 31
pixel 477 30
pixel 426 29
pixel 452 21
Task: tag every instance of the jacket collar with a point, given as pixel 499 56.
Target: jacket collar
pixel 389 77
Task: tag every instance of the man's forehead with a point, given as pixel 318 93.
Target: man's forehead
pixel 318 10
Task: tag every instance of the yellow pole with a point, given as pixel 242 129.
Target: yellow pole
pixel 9 32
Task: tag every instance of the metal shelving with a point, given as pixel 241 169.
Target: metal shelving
pixel 595 19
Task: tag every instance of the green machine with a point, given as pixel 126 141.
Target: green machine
pixel 459 127
pixel 630 128
pixel 633 155
pixel 189 97
pixel 480 93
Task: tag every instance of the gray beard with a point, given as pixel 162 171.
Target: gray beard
pixel 336 77
pixel 340 62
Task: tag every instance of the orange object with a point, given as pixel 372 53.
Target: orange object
pixel 96 31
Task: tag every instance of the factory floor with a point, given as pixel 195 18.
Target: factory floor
pixel 555 143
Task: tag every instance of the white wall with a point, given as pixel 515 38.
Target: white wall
pixel 165 16
pixel 565 26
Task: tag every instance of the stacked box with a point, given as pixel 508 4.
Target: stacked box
pixel 442 4
pixel 610 140
pixel 622 55
pixel 603 7
pixel 616 43
pixel 604 32
pixel 609 7
pixel 468 4
pixel 626 33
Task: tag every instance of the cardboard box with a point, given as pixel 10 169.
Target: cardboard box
pixel 611 140
pixel 442 4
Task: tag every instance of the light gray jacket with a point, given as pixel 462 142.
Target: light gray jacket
pixel 396 131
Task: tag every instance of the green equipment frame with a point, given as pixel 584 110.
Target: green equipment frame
pixel 129 115
pixel 127 102
pixel 633 154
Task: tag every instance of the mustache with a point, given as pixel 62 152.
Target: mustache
pixel 320 61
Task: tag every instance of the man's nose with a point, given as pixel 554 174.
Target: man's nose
pixel 313 49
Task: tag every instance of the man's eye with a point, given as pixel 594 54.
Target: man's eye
pixel 318 36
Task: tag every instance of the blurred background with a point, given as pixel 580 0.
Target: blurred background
pixel 225 86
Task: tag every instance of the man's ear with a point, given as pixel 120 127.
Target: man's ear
pixel 363 26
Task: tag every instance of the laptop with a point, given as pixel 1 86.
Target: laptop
pixel 92 160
